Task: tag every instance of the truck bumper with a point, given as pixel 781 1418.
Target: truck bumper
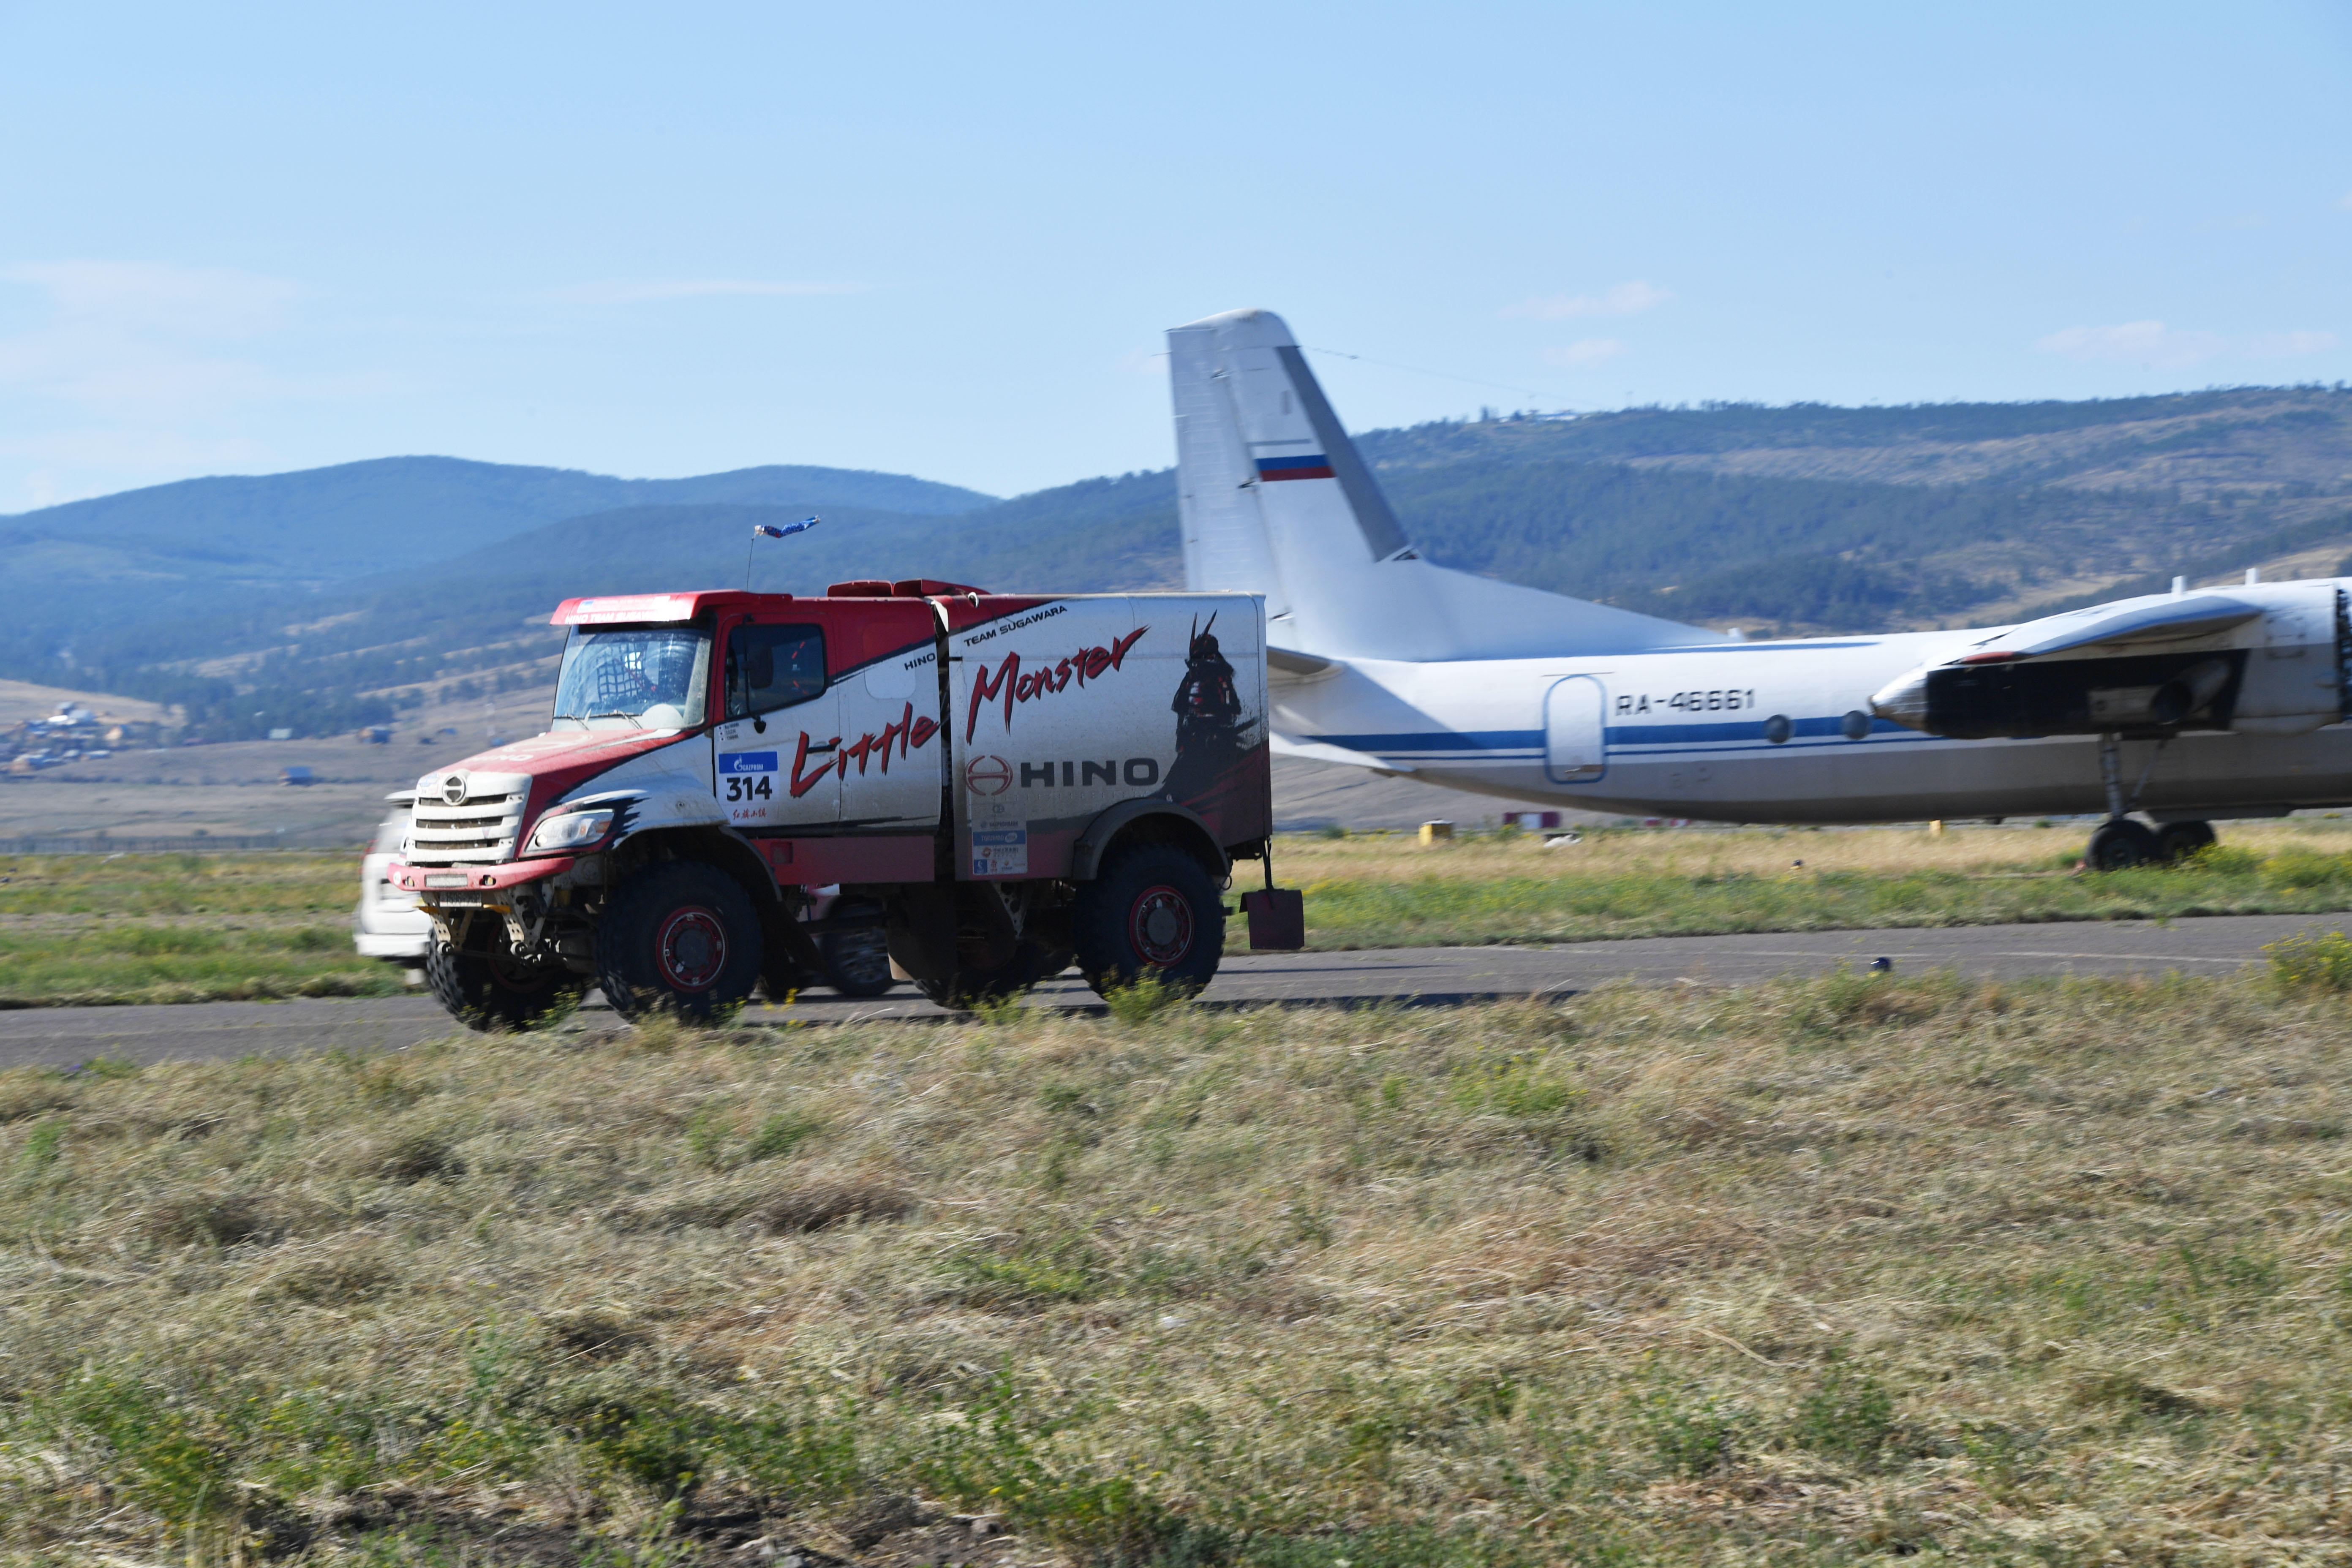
pixel 475 879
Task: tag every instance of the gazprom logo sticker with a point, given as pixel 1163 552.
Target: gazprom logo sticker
pixel 748 763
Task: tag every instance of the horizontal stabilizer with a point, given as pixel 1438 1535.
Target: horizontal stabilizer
pixel 1282 745
pixel 2156 618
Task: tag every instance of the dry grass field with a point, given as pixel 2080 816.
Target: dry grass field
pixel 1830 1272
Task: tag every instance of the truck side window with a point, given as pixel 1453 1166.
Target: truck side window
pixel 772 667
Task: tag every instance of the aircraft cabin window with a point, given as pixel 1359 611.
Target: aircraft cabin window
pixel 772 667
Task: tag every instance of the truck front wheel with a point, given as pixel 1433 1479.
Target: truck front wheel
pixel 679 934
pixel 491 991
pixel 1152 910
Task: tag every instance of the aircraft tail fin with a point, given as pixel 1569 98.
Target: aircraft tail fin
pixel 1274 500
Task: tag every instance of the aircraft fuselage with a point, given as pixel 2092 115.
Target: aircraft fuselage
pixel 1777 732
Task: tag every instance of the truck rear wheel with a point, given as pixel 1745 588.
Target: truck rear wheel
pixel 965 986
pixel 490 991
pixel 680 935
pixel 1152 910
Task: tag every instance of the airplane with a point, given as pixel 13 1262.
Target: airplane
pixel 2180 709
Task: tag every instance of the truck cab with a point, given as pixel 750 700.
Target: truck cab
pixel 999 785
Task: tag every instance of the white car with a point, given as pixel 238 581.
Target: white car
pixel 388 924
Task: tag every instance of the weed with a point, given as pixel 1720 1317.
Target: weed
pixel 707 1139
pixel 780 1132
pixel 1690 1432
pixel 42 1145
pixel 1026 1275
pixel 1147 998
pixel 997 1012
pixel 2003 1456
pixel 1519 1086
pixel 1848 1416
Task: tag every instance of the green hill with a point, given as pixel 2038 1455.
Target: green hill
pixel 369 586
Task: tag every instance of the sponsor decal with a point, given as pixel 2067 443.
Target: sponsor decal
pixel 1012 684
pixel 747 776
pixel 988 775
pixel 1000 851
pixel 909 732
pixel 1137 773
pixel 1013 624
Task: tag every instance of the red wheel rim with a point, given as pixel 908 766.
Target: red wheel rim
pixel 690 949
pixel 1160 926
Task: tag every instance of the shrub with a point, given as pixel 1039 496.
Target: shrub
pixel 2302 869
pixel 2223 860
pixel 2312 964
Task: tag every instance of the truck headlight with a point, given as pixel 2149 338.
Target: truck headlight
pixel 570 830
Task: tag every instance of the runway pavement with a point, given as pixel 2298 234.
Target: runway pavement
pixel 1425 975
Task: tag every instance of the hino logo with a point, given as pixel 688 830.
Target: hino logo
pixel 453 789
pixel 1136 773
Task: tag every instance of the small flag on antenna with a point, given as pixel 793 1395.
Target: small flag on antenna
pixel 769 530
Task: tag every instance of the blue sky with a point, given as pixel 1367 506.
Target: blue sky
pixel 944 239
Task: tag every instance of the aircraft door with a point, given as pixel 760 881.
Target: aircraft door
pixel 1576 713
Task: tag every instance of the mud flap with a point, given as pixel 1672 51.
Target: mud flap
pixel 1277 919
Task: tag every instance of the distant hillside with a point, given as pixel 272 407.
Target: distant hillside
pixel 1780 520
pixel 1820 519
pixel 179 546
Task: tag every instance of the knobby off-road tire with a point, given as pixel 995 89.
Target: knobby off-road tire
pixel 1030 963
pixel 488 990
pixel 680 935
pixel 857 961
pixel 1152 910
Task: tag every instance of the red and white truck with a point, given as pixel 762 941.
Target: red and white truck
pixel 1001 785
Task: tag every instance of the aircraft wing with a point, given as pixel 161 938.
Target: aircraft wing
pixel 1297 666
pixel 2157 618
pixel 1283 745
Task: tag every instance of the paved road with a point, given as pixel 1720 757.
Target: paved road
pixel 1431 975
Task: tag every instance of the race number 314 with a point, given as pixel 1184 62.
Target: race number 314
pixel 747 775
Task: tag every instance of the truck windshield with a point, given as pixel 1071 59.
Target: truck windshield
pixel 648 677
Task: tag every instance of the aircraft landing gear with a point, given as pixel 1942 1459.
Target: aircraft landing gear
pixel 2119 844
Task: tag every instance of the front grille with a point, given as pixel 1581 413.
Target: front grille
pixel 481 826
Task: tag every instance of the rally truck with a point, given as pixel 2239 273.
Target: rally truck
pixel 998 786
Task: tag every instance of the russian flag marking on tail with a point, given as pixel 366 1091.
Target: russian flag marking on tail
pixel 1315 465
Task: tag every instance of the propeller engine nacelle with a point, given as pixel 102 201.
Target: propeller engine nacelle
pixel 2267 659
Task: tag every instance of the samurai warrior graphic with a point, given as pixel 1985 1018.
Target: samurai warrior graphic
pixel 1211 735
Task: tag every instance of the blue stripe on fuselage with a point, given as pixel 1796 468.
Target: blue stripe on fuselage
pixel 1636 738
